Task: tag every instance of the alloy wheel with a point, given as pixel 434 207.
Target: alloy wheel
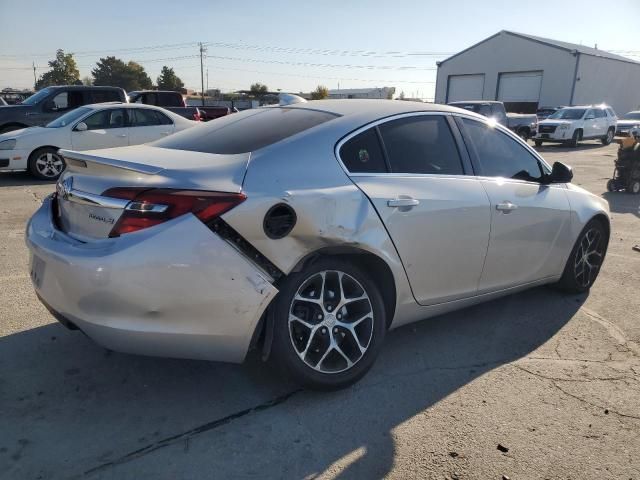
pixel 610 136
pixel 49 164
pixel 588 258
pixel 331 321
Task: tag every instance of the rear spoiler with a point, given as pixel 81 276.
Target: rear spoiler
pixel 135 167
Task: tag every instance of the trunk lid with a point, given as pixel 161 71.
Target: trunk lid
pixel 86 214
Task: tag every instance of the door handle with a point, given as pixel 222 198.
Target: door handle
pixel 403 202
pixel 165 133
pixel 31 114
pixel 123 135
pixel 506 207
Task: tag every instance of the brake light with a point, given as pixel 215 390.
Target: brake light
pixel 149 207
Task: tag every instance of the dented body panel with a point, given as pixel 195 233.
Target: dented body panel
pixel 155 292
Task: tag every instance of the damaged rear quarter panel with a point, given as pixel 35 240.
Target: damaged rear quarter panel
pixel 331 211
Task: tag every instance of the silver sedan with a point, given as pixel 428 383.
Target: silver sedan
pixel 307 231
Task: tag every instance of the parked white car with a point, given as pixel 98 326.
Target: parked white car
pixel 86 128
pixel 571 125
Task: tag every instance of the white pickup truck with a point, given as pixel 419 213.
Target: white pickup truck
pixel 525 125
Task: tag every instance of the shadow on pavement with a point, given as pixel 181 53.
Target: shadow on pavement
pixel 623 202
pixel 18 179
pixel 70 408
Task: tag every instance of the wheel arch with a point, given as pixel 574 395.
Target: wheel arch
pixel 378 270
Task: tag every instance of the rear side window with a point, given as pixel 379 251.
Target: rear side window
pixel 110 118
pixel 101 96
pixel 363 154
pixel 246 131
pixel 170 100
pixel 422 144
pixel 142 117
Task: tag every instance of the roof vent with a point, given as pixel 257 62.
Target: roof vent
pixel 279 221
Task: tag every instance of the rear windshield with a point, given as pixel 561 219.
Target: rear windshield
pixel 246 131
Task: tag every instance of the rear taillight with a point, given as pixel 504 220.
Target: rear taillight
pixel 149 207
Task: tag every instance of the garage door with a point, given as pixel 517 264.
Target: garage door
pixel 520 88
pixel 465 87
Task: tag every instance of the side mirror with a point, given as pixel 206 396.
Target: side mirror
pixel 560 173
pixel 81 127
pixel 50 105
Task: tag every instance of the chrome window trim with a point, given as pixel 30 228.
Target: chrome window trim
pixel 381 121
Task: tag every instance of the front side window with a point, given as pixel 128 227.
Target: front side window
pixel 421 144
pixel 500 155
pixel 105 119
pixel 600 113
pixel 61 101
pixel 363 153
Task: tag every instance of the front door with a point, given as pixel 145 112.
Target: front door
pixel 529 221
pixel 105 129
pixel 438 217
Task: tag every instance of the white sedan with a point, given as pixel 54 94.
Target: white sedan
pixel 86 128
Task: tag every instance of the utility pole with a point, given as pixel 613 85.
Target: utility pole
pixel 35 80
pixel 202 52
pixel 207 79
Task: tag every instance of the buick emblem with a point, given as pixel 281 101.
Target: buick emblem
pixel 64 188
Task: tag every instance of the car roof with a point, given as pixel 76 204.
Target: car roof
pixel 83 87
pixel 373 108
pixel 473 102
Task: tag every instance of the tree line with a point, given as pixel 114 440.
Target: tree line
pixel 109 71
pixel 112 71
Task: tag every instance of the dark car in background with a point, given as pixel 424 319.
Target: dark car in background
pixel 172 101
pixel 51 102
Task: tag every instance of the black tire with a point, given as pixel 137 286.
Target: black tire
pixel 634 187
pixel 575 279
pixel 611 185
pixel 289 348
pixel 577 136
pixel 55 164
pixel 608 138
pixel 538 143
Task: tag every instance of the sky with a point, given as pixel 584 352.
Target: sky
pixel 294 45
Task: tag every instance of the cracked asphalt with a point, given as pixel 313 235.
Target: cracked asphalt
pixel 553 379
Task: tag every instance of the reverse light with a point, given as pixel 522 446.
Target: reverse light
pixel 149 207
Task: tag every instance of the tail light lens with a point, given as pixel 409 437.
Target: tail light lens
pixel 149 207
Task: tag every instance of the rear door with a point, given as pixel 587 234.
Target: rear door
pixel 601 122
pixel 591 128
pixel 147 125
pixel 438 217
pixel 529 221
pixel 105 129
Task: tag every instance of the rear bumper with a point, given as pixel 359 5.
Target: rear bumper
pixel 174 290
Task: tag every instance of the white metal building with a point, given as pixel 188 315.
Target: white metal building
pixel 384 92
pixel 526 72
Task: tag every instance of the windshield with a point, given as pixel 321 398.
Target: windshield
pixel 68 118
pixel 568 114
pixel 631 116
pixel 36 97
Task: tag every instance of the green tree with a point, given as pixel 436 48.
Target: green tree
pixel 258 90
pixel 168 80
pixel 320 92
pixel 114 72
pixel 64 71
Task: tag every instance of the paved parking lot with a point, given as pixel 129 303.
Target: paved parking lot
pixel 553 380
